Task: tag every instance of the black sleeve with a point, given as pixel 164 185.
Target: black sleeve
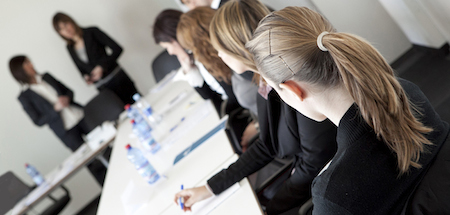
pixel 318 144
pixel 256 157
pixel 108 61
pixel 85 69
pixel 39 118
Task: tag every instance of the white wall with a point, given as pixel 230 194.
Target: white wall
pixel 25 27
pixel 424 22
pixel 439 12
pixel 280 4
pixel 368 19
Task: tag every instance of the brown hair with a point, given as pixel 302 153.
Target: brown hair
pixel 17 71
pixel 285 47
pixel 165 27
pixel 64 18
pixel 193 34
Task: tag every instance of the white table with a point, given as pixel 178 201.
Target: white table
pixel 78 159
pixel 125 192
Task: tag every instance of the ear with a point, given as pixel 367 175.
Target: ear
pixel 294 88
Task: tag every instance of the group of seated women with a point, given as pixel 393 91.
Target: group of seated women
pixel 363 140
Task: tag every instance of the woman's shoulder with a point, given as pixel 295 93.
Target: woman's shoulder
pixel 91 29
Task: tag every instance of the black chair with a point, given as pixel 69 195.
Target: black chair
pixel 238 119
pixel 163 64
pixel 306 208
pixel 12 190
pixel 271 177
pixel 106 106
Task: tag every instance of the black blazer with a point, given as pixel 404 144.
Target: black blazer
pixel 41 111
pixel 95 42
pixel 284 132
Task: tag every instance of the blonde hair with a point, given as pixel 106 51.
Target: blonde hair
pixel 193 34
pixel 232 27
pixel 285 47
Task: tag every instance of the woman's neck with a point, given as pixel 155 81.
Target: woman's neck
pixel 335 103
pixel 33 80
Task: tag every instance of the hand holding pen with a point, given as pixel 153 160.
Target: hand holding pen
pixel 190 196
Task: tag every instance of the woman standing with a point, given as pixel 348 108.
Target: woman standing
pixel 47 101
pixel 388 133
pixel 87 49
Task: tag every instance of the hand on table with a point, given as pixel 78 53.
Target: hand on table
pixel 192 195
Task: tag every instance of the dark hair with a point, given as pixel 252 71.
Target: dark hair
pixel 165 27
pixel 64 18
pixel 17 71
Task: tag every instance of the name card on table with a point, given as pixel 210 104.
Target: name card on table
pixel 217 128
pixel 100 134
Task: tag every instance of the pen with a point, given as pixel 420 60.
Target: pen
pixel 174 127
pixel 181 202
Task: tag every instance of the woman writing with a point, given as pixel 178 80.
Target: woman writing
pixel 388 133
pixel 284 131
pixel 87 49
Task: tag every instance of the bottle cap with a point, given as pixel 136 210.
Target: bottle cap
pixel 127 106
pixel 136 97
pixel 128 146
pixel 132 121
pixel 26 164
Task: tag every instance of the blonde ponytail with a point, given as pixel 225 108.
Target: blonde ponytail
pixel 349 61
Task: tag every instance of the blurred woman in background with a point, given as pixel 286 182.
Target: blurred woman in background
pixel 87 48
pixel 165 35
pixel 48 101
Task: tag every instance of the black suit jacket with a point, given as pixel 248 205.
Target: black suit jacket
pixel 95 42
pixel 284 132
pixel 41 111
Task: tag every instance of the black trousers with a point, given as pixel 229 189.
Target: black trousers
pixel 122 86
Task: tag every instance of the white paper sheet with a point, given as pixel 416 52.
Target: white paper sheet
pixel 206 206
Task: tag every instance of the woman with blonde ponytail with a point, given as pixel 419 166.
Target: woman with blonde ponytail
pixel 388 136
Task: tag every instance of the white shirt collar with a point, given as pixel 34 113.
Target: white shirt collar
pixel 215 4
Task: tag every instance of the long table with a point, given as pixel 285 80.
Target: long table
pixel 186 118
pixel 71 165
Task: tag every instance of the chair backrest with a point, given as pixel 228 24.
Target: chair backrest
pixel 163 64
pixel 12 189
pixel 106 106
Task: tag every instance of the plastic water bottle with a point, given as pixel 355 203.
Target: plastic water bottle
pixel 147 110
pixel 142 165
pixel 133 113
pixel 143 131
pixel 35 175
